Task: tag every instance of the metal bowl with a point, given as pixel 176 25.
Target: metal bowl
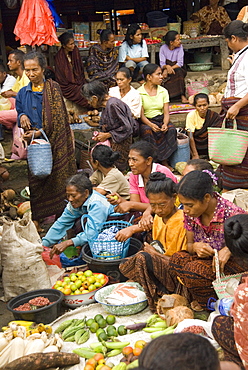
pixel 198 67
pixel 120 310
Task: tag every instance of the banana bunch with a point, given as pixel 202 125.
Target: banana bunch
pixel 74 330
pixel 157 327
pixel 23 329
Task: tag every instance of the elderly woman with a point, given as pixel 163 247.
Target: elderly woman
pixel 69 72
pixel 40 105
pixel 213 18
pixel 116 122
pixel 102 63
pixel 82 200
pixel 171 56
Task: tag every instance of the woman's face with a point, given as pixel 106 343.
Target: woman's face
pixel 70 45
pixel 156 77
pixel 213 2
pixel 162 204
pixel 177 42
pixel 122 81
pixel 110 43
pixel 34 71
pixel 194 207
pixel 76 198
pixel 137 37
pixel 137 163
pixel 202 107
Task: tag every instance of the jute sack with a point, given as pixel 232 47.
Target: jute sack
pixel 23 267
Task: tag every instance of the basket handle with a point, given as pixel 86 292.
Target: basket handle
pixel 91 219
pixel 234 123
pixel 42 132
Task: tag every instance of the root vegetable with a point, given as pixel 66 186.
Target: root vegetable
pixel 96 119
pixel 9 194
pixel 95 112
pixel 42 361
pixel 90 113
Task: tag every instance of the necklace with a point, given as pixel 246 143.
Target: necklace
pixel 38 88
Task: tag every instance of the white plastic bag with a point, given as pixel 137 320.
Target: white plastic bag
pixel 23 267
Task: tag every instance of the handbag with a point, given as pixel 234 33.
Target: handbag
pixel 19 146
pixel 227 146
pixel 182 154
pixel 40 158
pixel 221 280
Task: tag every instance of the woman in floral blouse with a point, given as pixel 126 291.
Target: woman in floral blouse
pixel 205 212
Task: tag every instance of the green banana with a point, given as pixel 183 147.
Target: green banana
pixel 70 339
pixel 152 329
pixel 120 366
pixel 133 365
pixel 114 352
pixel 116 345
pixel 70 331
pixel 169 330
pixel 84 352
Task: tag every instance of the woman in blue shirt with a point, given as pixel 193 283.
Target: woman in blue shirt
pixel 82 200
pixel 133 51
pixel 40 105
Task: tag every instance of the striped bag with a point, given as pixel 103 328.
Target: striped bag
pixel 227 146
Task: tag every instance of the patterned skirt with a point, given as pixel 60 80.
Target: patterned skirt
pixel 197 274
pixel 165 142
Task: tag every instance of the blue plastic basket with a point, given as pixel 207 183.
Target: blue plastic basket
pixel 108 249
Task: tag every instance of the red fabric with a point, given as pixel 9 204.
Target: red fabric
pixel 35 25
pixel 46 258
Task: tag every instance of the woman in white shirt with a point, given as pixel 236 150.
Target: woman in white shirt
pixel 133 51
pixel 125 92
pixel 235 101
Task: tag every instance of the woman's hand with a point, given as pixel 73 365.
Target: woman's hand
pixel 124 234
pixel 164 127
pixel 123 207
pixel 203 250
pixel 25 122
pixel 170 69
pixel 155 127
pixel 224 254
pixel 146 222
pixel 28 135
pixel 115 198
pixel 59 248
pixel 102 136
pixel 232 112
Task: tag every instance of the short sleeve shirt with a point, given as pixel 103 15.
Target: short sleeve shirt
pixel 153 105
pixel 137 184
pixel 194 121
pixel 134 51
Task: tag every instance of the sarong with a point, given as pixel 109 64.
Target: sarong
pixel 175 83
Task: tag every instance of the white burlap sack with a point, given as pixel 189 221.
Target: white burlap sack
pixel 23 267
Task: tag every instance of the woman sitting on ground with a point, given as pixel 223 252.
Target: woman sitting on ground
pixel 205 212
pixel 140 160
pixel 133 51
pixel 171 56
pixel 82 200
pixel 155 126
pixel 149 267
pixel 126 92
pixel 102 63
pixel 116 122
pixel 69 73
pixel 107 178
pixel 231 331
pixel 198 121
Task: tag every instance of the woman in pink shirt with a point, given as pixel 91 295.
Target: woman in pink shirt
pixel 140 159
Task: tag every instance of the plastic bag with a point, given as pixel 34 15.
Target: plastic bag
pixel 195 87
pixel 48 261
pixel 23 267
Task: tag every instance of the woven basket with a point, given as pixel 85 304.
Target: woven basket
pixel 221 281
pixel 39 155
pixel 107 249
pixel 188 26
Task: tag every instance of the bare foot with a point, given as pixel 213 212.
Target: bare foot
pixel 184 99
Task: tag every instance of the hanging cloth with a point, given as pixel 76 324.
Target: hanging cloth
pixel 35 25
pixel 56 18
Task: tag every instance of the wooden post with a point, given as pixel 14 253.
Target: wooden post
pixel 2 42
pixel 225 64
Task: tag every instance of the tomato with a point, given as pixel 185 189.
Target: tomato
pixel 137 351
pixel 89 367
pixel 127 350
pixel 91 362
pixel 98 356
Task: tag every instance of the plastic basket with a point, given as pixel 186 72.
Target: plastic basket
pixel 221 281
pixel 108 249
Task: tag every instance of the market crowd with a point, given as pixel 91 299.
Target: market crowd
pixel 194 227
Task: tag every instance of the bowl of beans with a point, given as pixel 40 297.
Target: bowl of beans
pixel 40 306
